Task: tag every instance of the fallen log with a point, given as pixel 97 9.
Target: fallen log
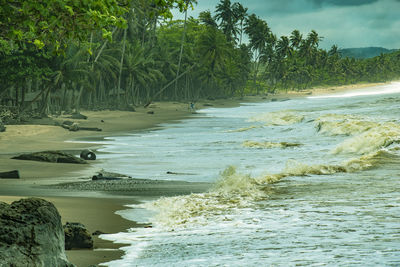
pixel 78 116
pixel 75 127
pixel 101 177
pixel 10 175
pixel 51 156
pixel 90 129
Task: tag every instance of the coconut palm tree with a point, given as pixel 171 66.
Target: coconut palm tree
pixel 240 13
pixel 295 39
pixel 228 20
pixel 187 4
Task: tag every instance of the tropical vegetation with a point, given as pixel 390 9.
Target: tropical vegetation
pixel 64 55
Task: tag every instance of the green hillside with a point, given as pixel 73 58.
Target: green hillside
pixel 364 52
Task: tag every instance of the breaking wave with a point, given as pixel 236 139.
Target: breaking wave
pixel 376 138
pixel 369 142
pixel 367 135
pixel 254 144
pixel 339 124
pixel 279 118
pixel 235 190
pixel 243 129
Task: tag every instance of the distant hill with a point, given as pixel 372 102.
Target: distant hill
pixel 364 52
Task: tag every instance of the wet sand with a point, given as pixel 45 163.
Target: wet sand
pixel 94 206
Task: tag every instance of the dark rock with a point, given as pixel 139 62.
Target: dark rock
pixel 74 127
pixel 31 234
pixel 88 154
pixel 97 233
pixel 150 112
pixel 51 156
pixel 77 236
pixel 78 116
pixel 10 175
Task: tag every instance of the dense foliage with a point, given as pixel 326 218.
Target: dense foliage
pixel 61 54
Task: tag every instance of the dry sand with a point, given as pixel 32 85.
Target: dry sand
pixel 96 209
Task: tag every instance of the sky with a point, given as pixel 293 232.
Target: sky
pixel 345 23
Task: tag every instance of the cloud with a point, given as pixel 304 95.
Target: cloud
pixel 347 23
pixel 343 2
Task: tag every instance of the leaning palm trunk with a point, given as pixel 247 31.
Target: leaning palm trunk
pixel 120 67
pixel 180 53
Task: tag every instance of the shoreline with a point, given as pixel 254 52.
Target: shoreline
pixel 96 208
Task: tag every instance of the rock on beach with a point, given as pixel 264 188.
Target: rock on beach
pixel 31 234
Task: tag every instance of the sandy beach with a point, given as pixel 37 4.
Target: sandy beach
pixel 95 207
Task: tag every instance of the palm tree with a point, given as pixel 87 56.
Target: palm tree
pixel 240 13
pixel 260 36
pixel 283 48
pixel 225 13
pixel 213 51
pixel 206 18
pixel 187 4
pixel 295 39
pixel 314 39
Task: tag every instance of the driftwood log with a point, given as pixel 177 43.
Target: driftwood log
pixel 88 154
pixel 74 127
pixel 100 176
pixel 78 116
pixel 51 156
pixel 10 175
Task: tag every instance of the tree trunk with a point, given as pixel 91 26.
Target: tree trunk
pixel 180 53
pixel 78 100
pixel 120 67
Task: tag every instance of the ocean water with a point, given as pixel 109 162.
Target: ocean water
pixel 305 182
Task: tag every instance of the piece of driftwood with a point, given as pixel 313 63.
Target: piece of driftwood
pixel 101 177
pixel 78 116
pixel 104 175
pixel 74 127
pixel 51 156
pixel 90 129
pixel 88 154
pixel 10 175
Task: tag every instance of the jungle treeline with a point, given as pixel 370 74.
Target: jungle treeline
pixel 148 56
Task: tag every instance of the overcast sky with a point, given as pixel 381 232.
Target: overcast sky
pixel 346 23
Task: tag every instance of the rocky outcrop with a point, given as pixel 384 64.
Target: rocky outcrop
pixel 31 234
pixel 51 156
pixel 77 236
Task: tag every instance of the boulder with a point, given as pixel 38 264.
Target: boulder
pixel 74 127
pixel 31 234
pixel 77 236
pixel 51 156
pixel 88 154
